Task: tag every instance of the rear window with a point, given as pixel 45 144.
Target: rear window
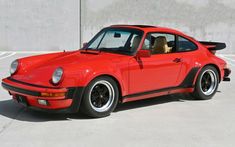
pixel 185 45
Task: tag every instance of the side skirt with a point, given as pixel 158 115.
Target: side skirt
pixel 156 93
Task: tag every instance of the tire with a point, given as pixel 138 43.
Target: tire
pixel 206 84
pixel 100 97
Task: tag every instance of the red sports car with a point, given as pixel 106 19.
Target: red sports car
pixel 122 63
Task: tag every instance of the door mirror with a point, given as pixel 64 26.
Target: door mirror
pixel 143 53
pixel 84 44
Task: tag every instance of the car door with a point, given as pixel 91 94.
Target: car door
pixel 159 71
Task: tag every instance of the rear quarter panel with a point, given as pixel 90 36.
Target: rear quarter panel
pixel 200 58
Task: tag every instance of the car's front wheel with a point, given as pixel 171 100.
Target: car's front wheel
pixel 206 84
pixel 100 97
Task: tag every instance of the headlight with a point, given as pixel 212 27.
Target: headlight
pixel 14 67
pixel 57 75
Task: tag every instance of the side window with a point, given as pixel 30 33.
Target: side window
pixel 185 45
pixel 160 43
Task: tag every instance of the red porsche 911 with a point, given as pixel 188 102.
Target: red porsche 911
pixel 122 63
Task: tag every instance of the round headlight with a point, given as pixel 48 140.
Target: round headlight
pixel 57 75
pixel 14 66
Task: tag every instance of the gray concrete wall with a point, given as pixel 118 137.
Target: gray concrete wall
pixel 54 24
pixel 39 25
pixel 203 19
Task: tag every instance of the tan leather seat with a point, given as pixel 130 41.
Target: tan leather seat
pixel 160 46
pixel 136 42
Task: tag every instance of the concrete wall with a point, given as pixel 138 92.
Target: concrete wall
pixel 203 19
pixel 54 24
pixel 39 25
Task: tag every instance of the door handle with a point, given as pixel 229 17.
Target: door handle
pixel 177 60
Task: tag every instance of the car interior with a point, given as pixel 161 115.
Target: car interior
pixel 135 43
pixel 160 46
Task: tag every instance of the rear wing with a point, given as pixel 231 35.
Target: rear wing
pixel 213 45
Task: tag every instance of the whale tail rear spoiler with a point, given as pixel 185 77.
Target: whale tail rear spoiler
pixel 213 46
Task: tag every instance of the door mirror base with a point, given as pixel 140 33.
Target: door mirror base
pixel 84 44
pixel 143 53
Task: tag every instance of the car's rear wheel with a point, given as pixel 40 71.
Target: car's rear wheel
pixel 100 97
pixel 206 84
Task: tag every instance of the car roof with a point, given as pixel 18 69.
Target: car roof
pixel 136 26
pixel 149 28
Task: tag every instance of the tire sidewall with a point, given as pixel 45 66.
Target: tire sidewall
pixel 198 94
pixel 86 107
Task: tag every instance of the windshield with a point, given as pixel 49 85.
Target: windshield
pixel 117 40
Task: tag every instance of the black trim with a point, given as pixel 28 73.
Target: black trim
pixel 77 99
pixel 189 79
pixel 187 83
pixel 20 90
pixel 70 92
pixel 227 79
pixel 227 72
pixel 150 92
pixel 39 86
pixel 216 45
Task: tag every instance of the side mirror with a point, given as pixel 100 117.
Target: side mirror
pixel 144 53
pixel 84 44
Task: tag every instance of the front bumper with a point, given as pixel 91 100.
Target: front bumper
pixel 57 99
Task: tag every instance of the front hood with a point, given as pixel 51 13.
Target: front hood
pixel 39 69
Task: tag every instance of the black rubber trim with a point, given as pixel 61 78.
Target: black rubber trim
pixel 215 45
pixel 70 93
pixel 189 79
pixel 39 86
pixel 226 79
pixel 20 90
pixel 187 83
pixel 77 95
pixel 227 72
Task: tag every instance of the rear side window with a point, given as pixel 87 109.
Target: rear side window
pixel 185 45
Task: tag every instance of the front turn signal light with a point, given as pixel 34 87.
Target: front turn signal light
pixel 46 94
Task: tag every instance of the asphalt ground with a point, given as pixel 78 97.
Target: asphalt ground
pixel 168 121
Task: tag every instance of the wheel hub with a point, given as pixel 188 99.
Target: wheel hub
pixel 101 96
pixel 208 82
